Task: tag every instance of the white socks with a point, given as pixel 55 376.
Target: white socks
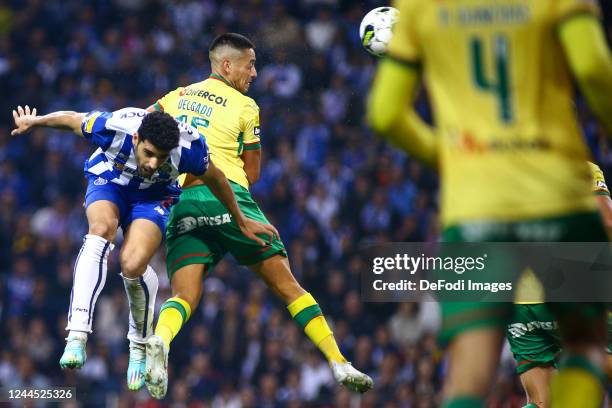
pixel 141 293
pixel 89 277
pixel 90 271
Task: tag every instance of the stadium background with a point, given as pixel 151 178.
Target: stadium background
pixel 327 183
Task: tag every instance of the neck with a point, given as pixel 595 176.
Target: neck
pixel 217 75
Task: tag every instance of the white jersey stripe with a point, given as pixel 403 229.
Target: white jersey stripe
pixel 100 168
pixel 115 146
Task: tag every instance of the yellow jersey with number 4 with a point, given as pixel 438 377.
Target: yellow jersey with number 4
pixel 503 102
pixel 228 119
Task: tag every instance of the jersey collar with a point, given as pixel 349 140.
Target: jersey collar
pixel 220 78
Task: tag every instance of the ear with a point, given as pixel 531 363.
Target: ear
pixel 227 66
pixel 135 139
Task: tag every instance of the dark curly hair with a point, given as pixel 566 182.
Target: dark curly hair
pixel 160 129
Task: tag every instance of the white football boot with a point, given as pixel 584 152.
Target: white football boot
pixel 350 377
pixel 156 367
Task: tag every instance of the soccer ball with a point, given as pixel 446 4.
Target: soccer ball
pixel 375 29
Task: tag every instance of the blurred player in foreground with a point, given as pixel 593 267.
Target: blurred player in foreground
pixel 219 108
pixel 511 156
pixel 131 183
pixel 533 333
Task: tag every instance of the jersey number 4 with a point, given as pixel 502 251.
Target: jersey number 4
pixel 499 83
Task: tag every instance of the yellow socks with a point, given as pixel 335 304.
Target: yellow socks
pixel 173 314
pixel 307 313
pixel 579 383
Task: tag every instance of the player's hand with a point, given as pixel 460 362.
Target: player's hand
pixel 24 120
pixel 252 227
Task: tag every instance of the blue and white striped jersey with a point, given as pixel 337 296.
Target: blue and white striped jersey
pixel 115 161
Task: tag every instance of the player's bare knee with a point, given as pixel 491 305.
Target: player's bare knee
pixel 103 229
pixel 132 265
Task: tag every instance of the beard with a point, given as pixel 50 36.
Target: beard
pixel 145 173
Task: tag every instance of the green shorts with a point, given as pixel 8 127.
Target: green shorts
pixel 201 231
pixel 533 337
pixel 458 317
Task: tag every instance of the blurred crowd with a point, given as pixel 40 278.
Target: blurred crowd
pixel 327 184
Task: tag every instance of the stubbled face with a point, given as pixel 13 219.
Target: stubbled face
pixel 148 157
pixel 241 70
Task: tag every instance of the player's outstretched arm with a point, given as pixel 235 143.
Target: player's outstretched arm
pixel 26 119
pixel 389 113
pixel 217 182
pixel 589 58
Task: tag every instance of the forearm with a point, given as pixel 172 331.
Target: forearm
pixel 390 113
pixel 252 177
pixel 65 120
pixel 587 52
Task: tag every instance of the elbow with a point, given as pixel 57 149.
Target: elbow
pixel 594 75
pixel 587 79
pixel 381 117
pixel 379 121
pixel 252 178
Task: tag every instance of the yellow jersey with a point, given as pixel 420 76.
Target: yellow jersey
pixel 529 289
pixel 228 119
pixel 502 96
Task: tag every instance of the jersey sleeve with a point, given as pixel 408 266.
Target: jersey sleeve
pixel 405 45
pixel 168 99
pixel 568 8
pixel 94 128
pixel 599 182
pixel 193 151
pixel 249 125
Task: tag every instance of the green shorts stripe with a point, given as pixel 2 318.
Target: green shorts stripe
pixel 307 314
pixel 188 256
pixel 255 256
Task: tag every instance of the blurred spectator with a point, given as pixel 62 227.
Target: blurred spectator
pixel 315 375
pixel 321 30
pixel 322 206
pixel 282 31
pixel 404 324
pixel 282 78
